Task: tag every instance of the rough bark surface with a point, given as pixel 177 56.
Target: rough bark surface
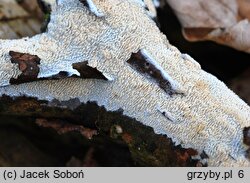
pixel 146 147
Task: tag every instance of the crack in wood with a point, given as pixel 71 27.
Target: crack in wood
pixel 87 71
pixel 29 66
pixel 91 6
pixel 140 63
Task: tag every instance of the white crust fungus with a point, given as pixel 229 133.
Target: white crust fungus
pixel 208 117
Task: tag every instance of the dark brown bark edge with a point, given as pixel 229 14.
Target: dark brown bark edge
pixel 146 147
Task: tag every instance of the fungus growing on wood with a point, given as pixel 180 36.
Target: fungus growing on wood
pixel 207 117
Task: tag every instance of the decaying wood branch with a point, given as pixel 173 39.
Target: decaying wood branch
pixel 147 80
pixel 223 21
pixel 147 148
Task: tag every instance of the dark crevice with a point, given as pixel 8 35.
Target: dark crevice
pixel 45 7
pixel 246 134
pixel 140 63
pixel 29 66
pixel 87 71
pixel 146 147
pixel 86 4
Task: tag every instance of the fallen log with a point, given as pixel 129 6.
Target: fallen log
pixel 147 80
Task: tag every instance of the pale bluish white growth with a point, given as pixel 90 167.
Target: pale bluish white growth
pixel 151 8
pixel 49 1
pixel 209 117
pixel 175 86
pixel 167 115
pixel 150 5
pixel 156 3
pixel 94 9
pixel 140 2
pixel 187 57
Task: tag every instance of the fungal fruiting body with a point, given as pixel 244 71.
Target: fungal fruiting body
pixel 167 90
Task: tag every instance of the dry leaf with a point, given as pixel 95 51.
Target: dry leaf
pixel 223 21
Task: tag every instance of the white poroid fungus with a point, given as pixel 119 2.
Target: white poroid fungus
pixel 208 116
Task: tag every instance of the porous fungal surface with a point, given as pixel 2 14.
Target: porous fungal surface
pixel 166 90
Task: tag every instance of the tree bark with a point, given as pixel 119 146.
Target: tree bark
pixel 146 147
